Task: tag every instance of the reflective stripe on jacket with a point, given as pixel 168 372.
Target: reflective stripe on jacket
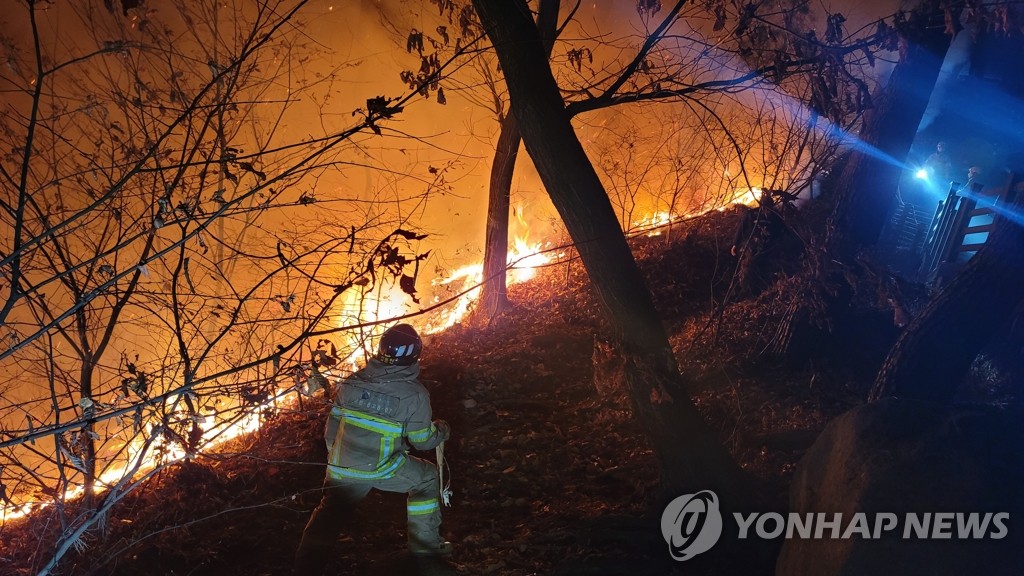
pixel 379 413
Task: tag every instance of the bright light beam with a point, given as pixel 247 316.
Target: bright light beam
pixel 1011 213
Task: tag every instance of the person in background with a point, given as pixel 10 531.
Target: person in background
pixel 973 186
pixel 380 412
pixel 939 164
pixel 972 176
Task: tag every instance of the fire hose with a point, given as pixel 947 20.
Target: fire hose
pixel 446 489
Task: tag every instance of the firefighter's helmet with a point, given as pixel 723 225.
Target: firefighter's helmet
pixel 400 345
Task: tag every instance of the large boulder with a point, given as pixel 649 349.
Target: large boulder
pixel 899 457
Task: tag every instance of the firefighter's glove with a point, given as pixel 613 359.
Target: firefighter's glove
pixel 443 429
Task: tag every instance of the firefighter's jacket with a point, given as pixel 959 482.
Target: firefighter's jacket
pixel 379 413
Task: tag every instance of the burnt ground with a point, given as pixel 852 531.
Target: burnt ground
pixel 550 473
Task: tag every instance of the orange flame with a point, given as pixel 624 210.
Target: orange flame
pixel 161 451
pixel 523 260
pixel 364 306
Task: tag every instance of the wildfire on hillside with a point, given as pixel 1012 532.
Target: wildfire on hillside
pixel 372 308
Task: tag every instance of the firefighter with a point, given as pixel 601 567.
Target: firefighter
pixel 380 412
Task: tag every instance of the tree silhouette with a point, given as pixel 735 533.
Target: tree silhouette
pixel 718 69
pixel 687 451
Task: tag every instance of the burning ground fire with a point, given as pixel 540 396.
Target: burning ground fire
pixel 655 223
pixel 382 305
pixel 161 451
pixel 523 261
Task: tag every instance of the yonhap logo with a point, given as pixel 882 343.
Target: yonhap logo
pixel 691 524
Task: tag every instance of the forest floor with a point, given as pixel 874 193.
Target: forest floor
pixel 550 472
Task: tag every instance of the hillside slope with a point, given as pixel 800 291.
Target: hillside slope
pixel 549 472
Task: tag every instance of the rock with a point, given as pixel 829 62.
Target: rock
pixel 901 456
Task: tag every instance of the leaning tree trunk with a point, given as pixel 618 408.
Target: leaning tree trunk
pixel 493 296
pixel 689 455
pixel 867 185
pixel 933 354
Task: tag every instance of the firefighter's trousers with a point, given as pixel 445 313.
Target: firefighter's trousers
pixel 417 478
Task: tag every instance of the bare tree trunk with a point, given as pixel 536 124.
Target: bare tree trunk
pixel 493 295
pixel 933 354
pixel 688 453
pixel 85 443
pixel 85 439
